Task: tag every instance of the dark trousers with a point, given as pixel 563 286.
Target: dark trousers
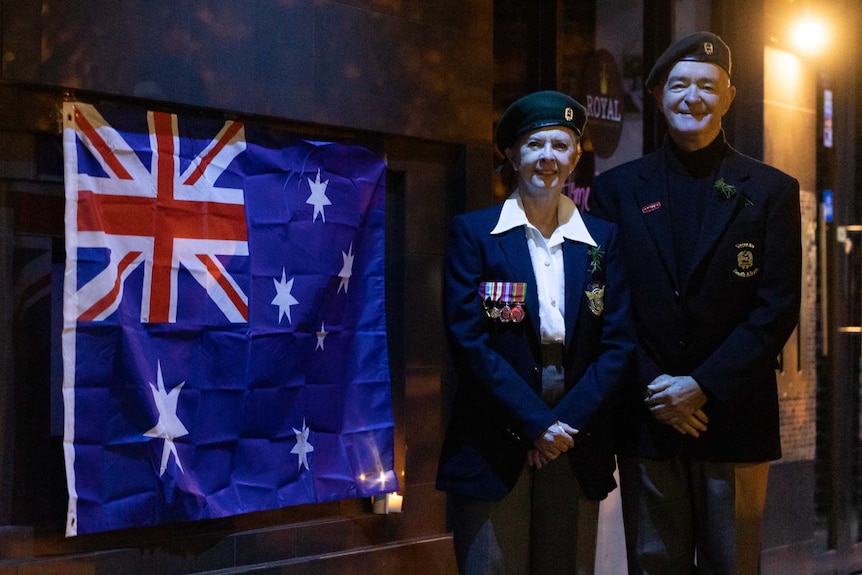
pixel 688 516
pixel 545 525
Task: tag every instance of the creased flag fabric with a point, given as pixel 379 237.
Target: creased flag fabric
pixel 224 341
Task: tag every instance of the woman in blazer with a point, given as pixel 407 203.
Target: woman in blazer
pixel 537 318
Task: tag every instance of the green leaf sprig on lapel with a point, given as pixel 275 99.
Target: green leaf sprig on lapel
pixel 727 191
pixel 595 254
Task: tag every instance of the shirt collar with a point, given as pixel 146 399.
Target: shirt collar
pixel 512 216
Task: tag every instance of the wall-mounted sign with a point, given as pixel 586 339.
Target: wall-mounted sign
pixel 605 98
pixel 827 118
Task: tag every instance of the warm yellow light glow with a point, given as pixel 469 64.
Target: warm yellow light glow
pixel 784 69
pixel 809 35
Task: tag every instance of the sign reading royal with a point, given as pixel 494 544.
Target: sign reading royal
pixel 604 100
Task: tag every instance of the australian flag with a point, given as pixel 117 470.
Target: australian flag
pixel 224 341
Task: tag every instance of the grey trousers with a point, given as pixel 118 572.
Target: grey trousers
pixel 545 525
pixel 688 516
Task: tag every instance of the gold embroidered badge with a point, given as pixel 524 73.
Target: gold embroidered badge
pixel 596 298
pixel 745 264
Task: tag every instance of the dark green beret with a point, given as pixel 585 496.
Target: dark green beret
pixel 698 47
pixel 539 110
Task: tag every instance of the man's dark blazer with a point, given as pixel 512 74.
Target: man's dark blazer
pixel 726 322
pixel 497 411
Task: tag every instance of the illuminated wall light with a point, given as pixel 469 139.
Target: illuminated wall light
pixel 809 35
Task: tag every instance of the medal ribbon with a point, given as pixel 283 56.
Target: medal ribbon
pixel 505 292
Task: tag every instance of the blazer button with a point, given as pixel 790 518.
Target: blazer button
pixel 675 295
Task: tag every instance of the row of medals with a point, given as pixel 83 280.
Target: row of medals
pixel 503 311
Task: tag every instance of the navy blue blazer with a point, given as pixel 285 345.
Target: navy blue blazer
pixel 726 321
pixel 498 411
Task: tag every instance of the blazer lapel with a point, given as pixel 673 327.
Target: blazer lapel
pixel 576 265
pixel 651 194
pixel 513 244
pixel 720 209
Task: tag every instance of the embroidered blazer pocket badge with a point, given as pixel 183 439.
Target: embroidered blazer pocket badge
pixel 746 263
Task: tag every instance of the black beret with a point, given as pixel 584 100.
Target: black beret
pixel 698 47
pixel 539 110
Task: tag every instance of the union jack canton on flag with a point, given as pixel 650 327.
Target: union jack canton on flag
pixel 224 341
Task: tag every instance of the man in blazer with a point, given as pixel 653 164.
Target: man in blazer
pixel 505 414
pixel 712 245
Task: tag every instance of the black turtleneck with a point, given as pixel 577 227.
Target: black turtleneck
pixel 690 180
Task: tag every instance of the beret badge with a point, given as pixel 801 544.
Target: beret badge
pixel 708 48
pixel 570 114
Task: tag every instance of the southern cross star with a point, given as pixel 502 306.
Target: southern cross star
pixel 283 298
pixel 318 197
pixel 321 335
pixel 302 447
pixel 169 426
pixel 346 269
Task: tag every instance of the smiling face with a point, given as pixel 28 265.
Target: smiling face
pixel 544 159
pixel 694 98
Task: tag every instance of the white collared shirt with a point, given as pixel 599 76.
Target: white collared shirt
pixel 547 259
